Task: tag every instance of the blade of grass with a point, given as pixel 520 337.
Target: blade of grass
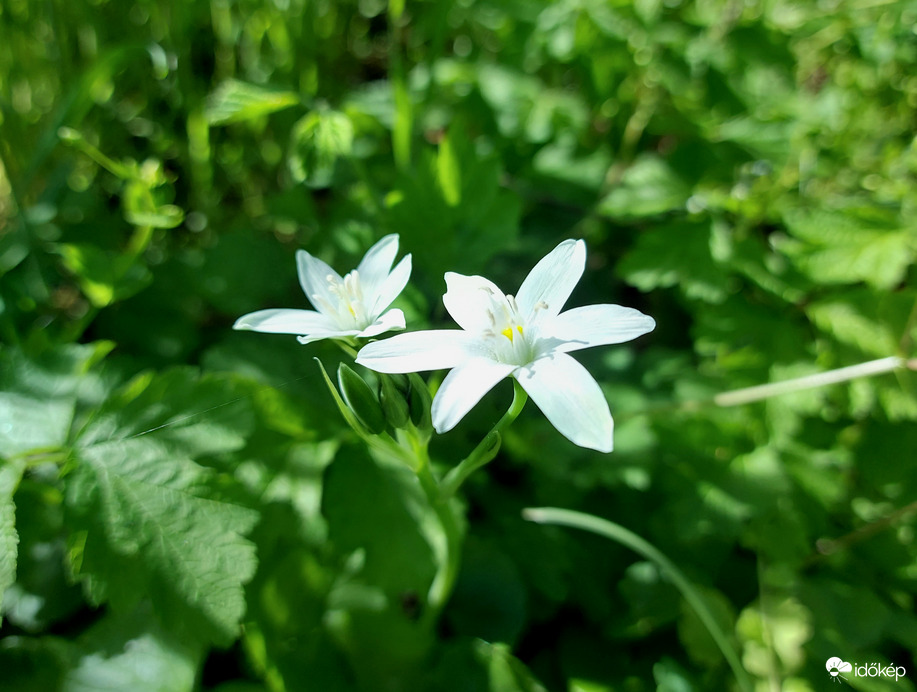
pixel 616 532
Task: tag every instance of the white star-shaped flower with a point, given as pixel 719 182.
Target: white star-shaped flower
pixel 527 337
pixel 346 307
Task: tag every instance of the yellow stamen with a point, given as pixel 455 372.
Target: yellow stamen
pixel 508 332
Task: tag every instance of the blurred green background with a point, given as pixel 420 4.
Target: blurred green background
pixel 743 171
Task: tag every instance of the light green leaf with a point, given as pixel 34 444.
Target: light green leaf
pixel 139 530
pixel 235 101
pixel 848 246
pixel 10 473
pixel 479 665
pixel 27 423
pixel 104 277
pixel 139 523
pixel 649 187
pixel 317 141
pixel 194 414
pixel 449 173
pixel 131 652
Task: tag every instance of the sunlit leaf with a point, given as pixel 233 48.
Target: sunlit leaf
pixel 235 101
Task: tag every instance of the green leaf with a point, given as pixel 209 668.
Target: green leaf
pixel 105 277
pixel 29 423
pixel 649 187
pixel 467 234
pixel 676 254
pixel 193 414
pixel 131 652
pixel 481 666
pixel 139 530
pixel 39 395
pixel 235 101
pixel 318 140
pixel 871 321
pixel 139 523
pixel 489 598
pixel 380 614
pixel 848 246
pixel 10 473
pixel 448 172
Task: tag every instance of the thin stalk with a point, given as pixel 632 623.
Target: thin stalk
pixel 617 533
pixel 765 391
pixel 444 581
pixel 488 447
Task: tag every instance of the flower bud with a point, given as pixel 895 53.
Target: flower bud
pixel 420 402
pixel 393 402
pixel 361 400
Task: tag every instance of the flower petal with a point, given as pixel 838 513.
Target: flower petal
pixel 393 319
pixel 469 299
pixel 284 321
pixel 332 334
pixel 434 349
pixel 571 399
pixel 463 388
pixel 392 285
pixel 376 263
pixel 313 277
pixel 596 325
pixel 552 280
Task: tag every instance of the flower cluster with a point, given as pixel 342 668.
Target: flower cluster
pixel 526 336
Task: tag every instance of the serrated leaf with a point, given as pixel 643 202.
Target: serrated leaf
pixel 235 101
pixel 10 473
pixel 848 246
pixel 317 141
pixel 139 525
pixel 676 254
pixel 871 321
pixel 195 414
pixel 141 531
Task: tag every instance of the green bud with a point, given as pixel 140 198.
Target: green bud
pixel 393 403
pixel 420 402
pixel 400 381
pixel 361 400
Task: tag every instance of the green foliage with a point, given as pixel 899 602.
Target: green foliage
pixel 743 172
pixel 234 101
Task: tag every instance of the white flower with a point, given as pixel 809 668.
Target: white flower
pixel 346 307
pixel 527 337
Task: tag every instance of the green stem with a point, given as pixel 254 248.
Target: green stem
pixel 616 532
pixel 444 581
pixel 488 447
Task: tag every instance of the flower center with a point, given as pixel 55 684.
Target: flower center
pixel 512 340
pixel 350 310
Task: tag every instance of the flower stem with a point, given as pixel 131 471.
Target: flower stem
pixel 487 449
pixel 765 391
pixel 616 532
pixel 444 581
